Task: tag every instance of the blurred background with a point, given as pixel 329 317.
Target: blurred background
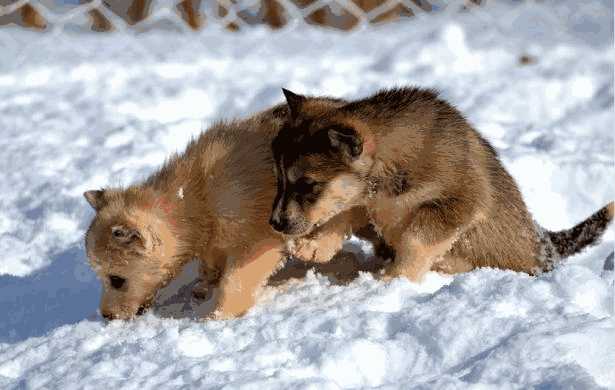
pixel 569 21
pixel 108 15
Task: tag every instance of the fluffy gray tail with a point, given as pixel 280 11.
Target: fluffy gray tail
pixel 558 245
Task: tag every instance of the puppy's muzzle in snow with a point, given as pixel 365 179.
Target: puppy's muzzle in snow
pixel 109 316
pixel 280 223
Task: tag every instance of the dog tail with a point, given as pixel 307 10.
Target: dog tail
pixel 555 246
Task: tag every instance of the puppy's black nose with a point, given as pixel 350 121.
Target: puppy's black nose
pixel 107 316
pixel 279 223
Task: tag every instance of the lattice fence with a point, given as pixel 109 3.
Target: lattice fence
pixel 141 15
pixel 21 20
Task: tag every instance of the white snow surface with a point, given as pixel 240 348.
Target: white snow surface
pixel 82 111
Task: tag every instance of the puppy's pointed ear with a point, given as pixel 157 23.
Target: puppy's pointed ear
pixel 294 102
pixel 346 140
pixel 96 198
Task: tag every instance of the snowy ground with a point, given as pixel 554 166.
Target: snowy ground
pixel 81 111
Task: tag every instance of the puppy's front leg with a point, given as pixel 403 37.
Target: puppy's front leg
pixel 210 272
pixel 240 284
pixel 208 278
pixel 434 228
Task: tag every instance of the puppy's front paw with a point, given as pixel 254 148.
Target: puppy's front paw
pixel 314 250
pixel 221 315
pixel 384 276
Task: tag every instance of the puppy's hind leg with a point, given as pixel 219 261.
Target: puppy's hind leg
pixel 451 264
pixel 434 228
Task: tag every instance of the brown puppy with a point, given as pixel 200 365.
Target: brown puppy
pixel 212 203
pixel 434 188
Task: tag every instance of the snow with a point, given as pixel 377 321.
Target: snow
pixel 82 111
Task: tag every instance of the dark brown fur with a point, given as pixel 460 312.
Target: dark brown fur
pixel 431 184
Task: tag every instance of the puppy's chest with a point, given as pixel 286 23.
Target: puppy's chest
pixel 391 180
pixel 391 193
pixel 388 213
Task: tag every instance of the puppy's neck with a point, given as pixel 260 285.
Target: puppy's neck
pixel 168 222
pixel 369 145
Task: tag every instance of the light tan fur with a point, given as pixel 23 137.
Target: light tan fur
pixel 211 203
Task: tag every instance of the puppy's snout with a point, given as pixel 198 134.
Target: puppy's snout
pixel 106 315
pixel 279 222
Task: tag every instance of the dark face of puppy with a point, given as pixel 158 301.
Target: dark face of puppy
pixel 314 154
pixel 130 248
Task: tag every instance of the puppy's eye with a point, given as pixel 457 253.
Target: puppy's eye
pixel 305 184
pixel 308 190
pixel 116 281
pixel 119 232
pixel 124 235
pixel 306 181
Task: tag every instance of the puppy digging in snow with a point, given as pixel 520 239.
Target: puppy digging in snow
pixel 433 187
pixel 211 203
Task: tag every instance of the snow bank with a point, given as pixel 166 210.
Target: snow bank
pixel 81 111
pixel 489 327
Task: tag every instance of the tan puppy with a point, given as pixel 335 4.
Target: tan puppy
pixel 434 188
pixel 212 203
